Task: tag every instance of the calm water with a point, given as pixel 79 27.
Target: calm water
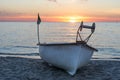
pixel 21 37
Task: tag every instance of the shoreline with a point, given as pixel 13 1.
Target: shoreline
pixel 21 68
pixel 30 55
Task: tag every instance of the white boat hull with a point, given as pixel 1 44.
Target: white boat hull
pixel 68 57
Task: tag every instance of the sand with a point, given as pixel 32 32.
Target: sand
pixel 19 68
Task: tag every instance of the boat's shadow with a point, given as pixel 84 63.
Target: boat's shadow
pixel 36 69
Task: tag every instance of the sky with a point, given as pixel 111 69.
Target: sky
pixel 60 10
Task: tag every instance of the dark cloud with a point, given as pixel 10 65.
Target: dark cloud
pixel 83 0
pixel 53 0
pixel 68 0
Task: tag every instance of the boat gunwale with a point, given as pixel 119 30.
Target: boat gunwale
pixel 67 44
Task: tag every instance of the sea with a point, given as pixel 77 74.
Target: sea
pixel 21 38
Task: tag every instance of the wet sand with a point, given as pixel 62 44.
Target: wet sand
pixel 19 68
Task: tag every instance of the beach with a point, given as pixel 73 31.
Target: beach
pixel 28 68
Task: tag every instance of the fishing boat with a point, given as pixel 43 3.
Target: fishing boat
pixel 68 56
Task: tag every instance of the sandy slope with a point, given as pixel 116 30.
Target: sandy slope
pixel 18 68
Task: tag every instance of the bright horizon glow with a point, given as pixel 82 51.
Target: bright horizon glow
pixel 73 19
pixel 60 10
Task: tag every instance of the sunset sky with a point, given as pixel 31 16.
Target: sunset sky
pixel 60 10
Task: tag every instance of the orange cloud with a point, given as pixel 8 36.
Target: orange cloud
pixel 17 18
pixel 58 18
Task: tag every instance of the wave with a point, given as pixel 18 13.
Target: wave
pixel 21 54
pixel 25 46
pixel 111 50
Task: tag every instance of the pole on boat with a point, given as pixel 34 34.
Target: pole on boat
pixel 38 23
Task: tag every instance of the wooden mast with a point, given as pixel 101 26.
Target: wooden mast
pixel 38 23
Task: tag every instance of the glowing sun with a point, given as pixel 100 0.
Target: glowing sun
pixel 72 19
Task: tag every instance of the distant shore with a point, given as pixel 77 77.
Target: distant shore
pixel 19 68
